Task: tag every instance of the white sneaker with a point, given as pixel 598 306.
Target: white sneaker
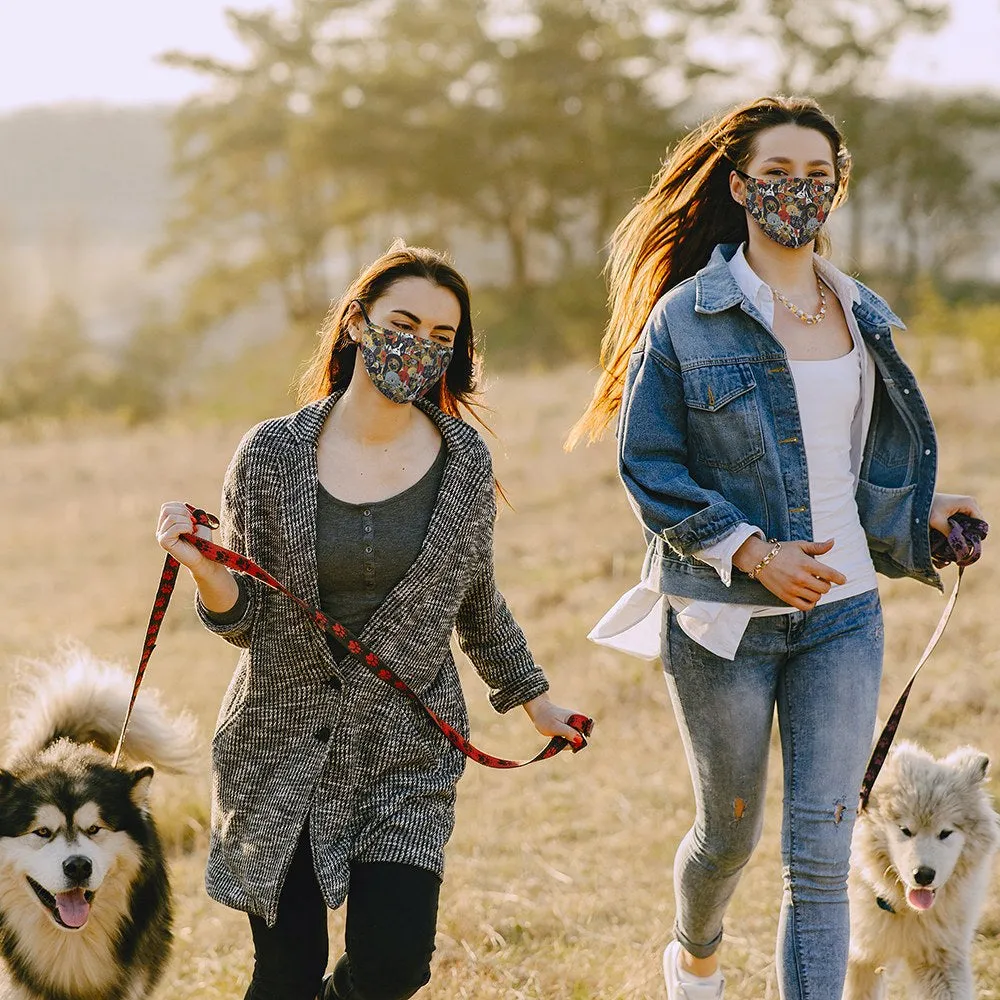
pixel 685 986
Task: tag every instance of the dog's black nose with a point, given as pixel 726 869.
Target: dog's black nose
pixel 924 875
pixel 78 868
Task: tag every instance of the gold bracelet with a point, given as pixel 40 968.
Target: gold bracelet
pixel 774 551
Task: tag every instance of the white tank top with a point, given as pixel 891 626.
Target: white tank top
pixel 828 394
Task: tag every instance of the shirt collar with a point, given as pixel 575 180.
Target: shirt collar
pixel 760 294
pixel 845 287
pixel 716 290
pixel 752 287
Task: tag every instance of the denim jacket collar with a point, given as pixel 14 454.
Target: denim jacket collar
pixel 873 310
pixel 717 290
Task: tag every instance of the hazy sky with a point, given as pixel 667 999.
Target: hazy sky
pixel 84 50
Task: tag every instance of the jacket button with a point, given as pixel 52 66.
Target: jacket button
pixel 335 683
pixel 322 734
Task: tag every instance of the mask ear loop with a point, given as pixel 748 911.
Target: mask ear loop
pixel 736 170
pixel 364 312
pixel 364 316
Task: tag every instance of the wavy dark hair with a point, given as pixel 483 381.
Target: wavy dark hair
pixel 670 234
pixel 332 364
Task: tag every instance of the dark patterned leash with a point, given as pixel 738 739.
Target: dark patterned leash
pixel 241 564
pixel 963 546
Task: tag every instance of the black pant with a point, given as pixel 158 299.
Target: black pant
pixel 391 922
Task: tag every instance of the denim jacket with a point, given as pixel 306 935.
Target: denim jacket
pixel 709 436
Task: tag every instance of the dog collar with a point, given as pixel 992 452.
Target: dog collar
pixel 884 904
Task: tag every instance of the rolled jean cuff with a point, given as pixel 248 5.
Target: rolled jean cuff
pixel 697 950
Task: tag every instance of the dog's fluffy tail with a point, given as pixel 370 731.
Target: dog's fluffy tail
pixel 84 699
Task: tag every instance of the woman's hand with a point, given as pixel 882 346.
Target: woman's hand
pixel 945 504
pixel 794 574
pixel 943 507
pixel 217 587
pixel 176 520
pixel 550 720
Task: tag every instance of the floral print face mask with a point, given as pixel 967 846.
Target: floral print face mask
pixel 790 210
pixel 401 365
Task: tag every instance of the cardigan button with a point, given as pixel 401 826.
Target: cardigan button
pixel 335 683
pixel 322 734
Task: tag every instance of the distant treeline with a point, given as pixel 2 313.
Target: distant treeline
pixel 514 132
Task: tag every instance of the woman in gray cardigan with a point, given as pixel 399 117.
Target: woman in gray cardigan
pixel 376 505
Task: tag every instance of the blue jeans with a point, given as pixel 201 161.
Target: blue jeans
pixel 822 669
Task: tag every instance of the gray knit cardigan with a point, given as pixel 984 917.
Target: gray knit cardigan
pixel 300 738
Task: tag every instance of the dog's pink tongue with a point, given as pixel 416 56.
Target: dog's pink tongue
pixel 920 899
pixel 73 907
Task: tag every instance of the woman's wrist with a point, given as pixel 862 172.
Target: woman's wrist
pixel 218 590
pixel 771 553
pixel 532 705
pixel 209 574
pixel 751 552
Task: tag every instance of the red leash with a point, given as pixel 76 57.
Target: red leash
pixel 241 564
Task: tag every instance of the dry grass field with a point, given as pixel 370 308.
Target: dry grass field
pixel 558 884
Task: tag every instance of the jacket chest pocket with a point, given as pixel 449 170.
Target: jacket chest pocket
pixel 724 429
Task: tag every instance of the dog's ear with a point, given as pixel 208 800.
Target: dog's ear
pixel 141 777
pixel 972 764
pixel 7 781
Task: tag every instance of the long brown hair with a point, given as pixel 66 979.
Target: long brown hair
pixel 670 234
pixel 332 364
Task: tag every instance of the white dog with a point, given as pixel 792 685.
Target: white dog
pixel 920 869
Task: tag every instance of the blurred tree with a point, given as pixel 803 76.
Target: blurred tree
pixel 935 204
pixel 11 304
pixel 53 373
pixel 383 118
pixel 534 122
pixel 531 124
pixel 143 382
pixel 840 47
pixel 256 202
pixel 561 128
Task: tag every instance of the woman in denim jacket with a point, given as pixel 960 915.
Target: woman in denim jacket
pixel 767 425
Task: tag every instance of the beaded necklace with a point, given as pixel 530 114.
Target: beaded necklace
pixel 811 319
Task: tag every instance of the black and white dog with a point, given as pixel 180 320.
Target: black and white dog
pixel 85 910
